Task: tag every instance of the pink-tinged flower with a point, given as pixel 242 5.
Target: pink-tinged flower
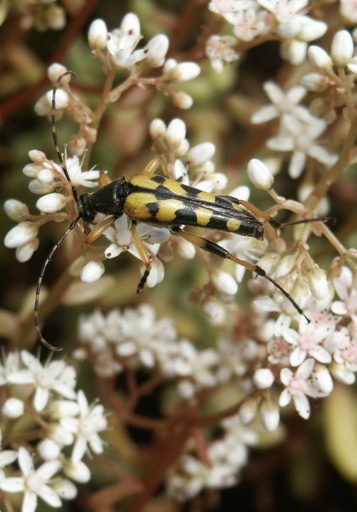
pixel 310 340
pixel 297 387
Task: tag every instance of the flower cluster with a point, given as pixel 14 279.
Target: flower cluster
pixel 225 457
pixel 222 381
pixel 285 20
pixel 40 402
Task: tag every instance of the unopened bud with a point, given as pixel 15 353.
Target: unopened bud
pixel 318 283
pixel 97 35
pixel 157 128
pixel 263 378
pixel 92 271
pixel 260 175
pixel 200 154
pixel 342 48
pixel 51 203
pixel 224 282
pixel 157 49
pixel 320 58
pixel 61 98
pixel 15 209
pixel 55 71
pixel 20 235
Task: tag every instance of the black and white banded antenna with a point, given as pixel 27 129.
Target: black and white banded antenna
pixel 71 226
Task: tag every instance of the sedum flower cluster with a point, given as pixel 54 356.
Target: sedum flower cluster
pixel 47 429
pixel 257 349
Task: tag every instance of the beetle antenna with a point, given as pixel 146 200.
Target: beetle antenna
pixel 72 225
pixel 39 284
pixel 54 133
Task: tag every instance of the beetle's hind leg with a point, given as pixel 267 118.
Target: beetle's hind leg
pixel 216 249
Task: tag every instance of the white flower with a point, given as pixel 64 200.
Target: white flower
pixel 310 338
pixel 220 51
pixel 121 43
pixel 283 104
pixel 297 386
pixel 79 177
pixel 299 138
pixel 249 23
pixel 34 483
pixel 121 237
pixel 54 377
pixel 85 427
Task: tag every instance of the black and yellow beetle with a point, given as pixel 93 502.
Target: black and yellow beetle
pixel 154 199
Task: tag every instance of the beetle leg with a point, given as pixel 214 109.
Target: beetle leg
pixel 144 254
pixel 216 249
pixel 153 165
pixel 99 229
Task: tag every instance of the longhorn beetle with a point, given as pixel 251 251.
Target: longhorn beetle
pixel 155 199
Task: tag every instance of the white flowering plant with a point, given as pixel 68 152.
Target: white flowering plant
pixel 249 100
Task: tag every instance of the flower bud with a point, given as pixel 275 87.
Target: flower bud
pixel 15 209
pixel 269 413
pixel 20 235
pixel 176 132
pixel 200 154
pixel 61 98
pixel 38 157
pixel 183 72
pixel 224 282
pixel 157 128
pixel 342 48
pixel 157 49
pixel 92 271
pixel 55 71
pixel 182 100
pixel 48 449
pixel 318 283
pixel 97 35
pixel 260 175
pixel 51 203
pixel 263 378
pixel 13 408
pixel 320 58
